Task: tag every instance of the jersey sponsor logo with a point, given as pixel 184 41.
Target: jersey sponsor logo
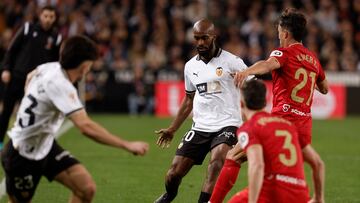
pixel 291 180
pixel 202 87
pixel 196 74
pixel 276 53
pixel 209 88
pixel 243 139
pixel 219 71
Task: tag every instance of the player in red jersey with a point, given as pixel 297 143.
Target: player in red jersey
pixel 296 72
pixel 275 172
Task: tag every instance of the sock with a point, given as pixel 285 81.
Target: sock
pixel 172 189
pixel 225 181
pixel 204 197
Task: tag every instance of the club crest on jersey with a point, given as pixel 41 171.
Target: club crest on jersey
pixel 243 139
pixel 276 53
pixel 219 71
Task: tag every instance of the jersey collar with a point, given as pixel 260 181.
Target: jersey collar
pixel 218 53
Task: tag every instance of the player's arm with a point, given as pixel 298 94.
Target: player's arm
pixel 98 133
pixel 259 68
pixel 166 135
pixel 322 86
pixel 255 171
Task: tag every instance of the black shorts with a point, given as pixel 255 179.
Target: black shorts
pixel 23 175
pixel 196 144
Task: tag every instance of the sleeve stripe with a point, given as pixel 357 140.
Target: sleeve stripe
pixel 71 112
pixel 189 92
pixel 26 28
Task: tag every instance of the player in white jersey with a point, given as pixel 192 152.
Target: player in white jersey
pixel 213 98
pixel 32 151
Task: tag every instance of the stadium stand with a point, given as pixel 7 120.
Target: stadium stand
pixel 143 41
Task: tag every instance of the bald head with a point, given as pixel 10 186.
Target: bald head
pixel 204 26
pixel 204 35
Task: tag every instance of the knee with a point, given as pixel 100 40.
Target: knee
pixel 173 174
pixel 319 163
pixel 88 191
pixel 215 166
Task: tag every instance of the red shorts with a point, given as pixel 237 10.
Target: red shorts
pixel 303 125
pixel 279 193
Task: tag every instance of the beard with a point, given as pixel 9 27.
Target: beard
pixel 205 51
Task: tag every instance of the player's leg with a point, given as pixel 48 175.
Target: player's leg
pixel 228 174
pixel 318 171
pixel 221 143
pixel 79 181
pixel 22 175
pixel 179 168
pixel 64 168
pixel 217 159
pixel 304 126
pixel 191 151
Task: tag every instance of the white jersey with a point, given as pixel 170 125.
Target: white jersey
pixel 48 98
pixel 217 100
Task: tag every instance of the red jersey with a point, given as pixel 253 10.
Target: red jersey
pixel 294 82
pixel 281 150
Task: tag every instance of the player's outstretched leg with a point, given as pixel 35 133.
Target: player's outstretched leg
pixel 79 181
pixel 318 172
pixel 179 168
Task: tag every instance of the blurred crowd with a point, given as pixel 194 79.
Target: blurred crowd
pixel 143 41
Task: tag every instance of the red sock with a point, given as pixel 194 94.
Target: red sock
pixel 225 181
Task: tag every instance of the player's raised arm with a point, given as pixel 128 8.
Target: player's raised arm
pixel 98 133
pixel 259 68
pixel 166 135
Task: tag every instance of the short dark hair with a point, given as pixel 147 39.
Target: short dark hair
pixel 254 94
pixel 76 50
pixel 294 22
pixel 49 8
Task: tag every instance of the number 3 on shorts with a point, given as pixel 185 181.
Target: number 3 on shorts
pixel 189 135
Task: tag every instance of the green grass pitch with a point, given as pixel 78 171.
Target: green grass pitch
pixel 122 177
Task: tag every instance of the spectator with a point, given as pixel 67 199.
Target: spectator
pixel 133 30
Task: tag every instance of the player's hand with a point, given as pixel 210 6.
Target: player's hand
pixel 138 147
pixel 239 78
pixel 165 137
pixel 5 76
